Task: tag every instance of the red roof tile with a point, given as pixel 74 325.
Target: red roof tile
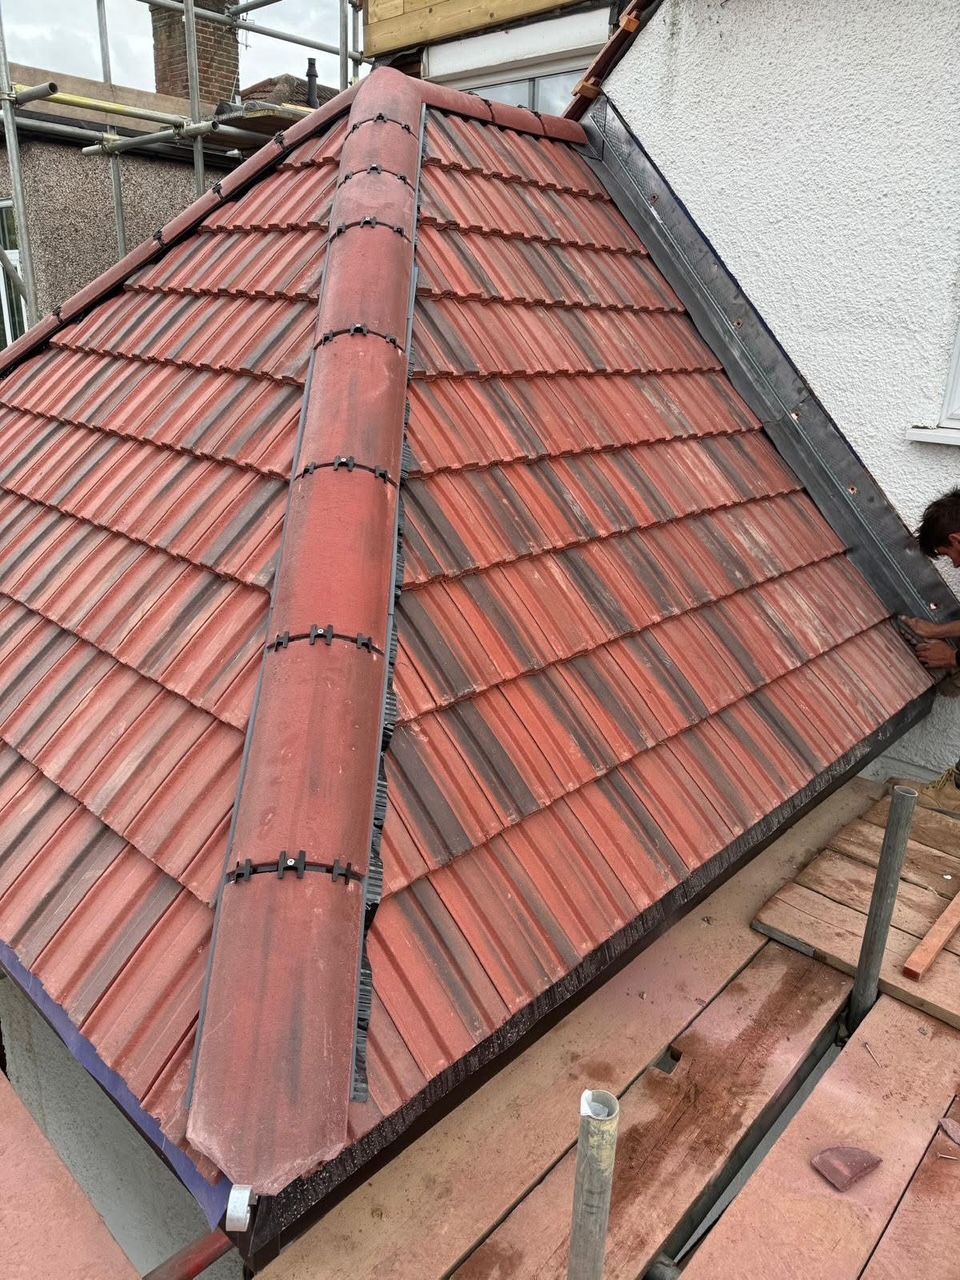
pixel 625 635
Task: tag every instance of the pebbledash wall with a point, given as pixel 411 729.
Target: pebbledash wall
pixel 818 147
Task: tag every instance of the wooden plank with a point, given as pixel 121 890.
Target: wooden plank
pixel 833 932
pixel 847 881
pixel 930 826
pixel 413 1221
pixel 445 18
pixel 380 10
pixel 885 1092
pixel 923 1236
pixel 934 941
pixel 923 865
pixel 679 1131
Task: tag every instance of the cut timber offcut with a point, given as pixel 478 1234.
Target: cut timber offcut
pixel 937 937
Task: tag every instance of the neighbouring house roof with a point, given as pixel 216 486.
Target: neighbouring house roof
pixel 626 640
pixel 285 88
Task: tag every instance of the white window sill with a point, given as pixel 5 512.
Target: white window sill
pixel 935 435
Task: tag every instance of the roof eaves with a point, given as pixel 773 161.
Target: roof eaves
pixel 761 371
pixel 280 1213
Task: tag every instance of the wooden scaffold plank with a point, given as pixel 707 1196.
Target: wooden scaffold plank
pixel 680 1129
pixel 885 1093
pixel 833 932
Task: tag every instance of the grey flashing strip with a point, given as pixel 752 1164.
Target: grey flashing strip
pixel 800 428
pixel 281 1218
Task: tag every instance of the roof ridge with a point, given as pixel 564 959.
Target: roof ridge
pixel 325 681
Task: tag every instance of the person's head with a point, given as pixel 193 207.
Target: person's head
pixel 939 532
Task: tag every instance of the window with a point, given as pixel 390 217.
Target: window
pixel 534 64
pixel 950 413
pixel 547 94
pixel 11 304
pixel 947 430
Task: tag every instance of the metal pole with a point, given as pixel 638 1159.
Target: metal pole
pixel 344 45
pixel 596 1150
pixel 193 81
pixel 355 38
pixel 887 881
pixel 110 144
pixel 224 20
pixel 16 182
pixel 104 41
pixel 235 10
pixel 118 215
pixel 33 93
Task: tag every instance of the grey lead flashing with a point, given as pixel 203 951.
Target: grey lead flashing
pixel 761 371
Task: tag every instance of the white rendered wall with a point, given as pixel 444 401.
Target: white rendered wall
pixel 148 1211
pixel 818 147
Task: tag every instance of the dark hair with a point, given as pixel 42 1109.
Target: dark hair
pixel 941 518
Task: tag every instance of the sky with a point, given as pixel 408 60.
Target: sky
pixel 61 35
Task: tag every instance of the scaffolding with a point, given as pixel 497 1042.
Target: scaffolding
pixel 174 129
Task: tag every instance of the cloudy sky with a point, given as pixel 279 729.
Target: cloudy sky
pixel 61 35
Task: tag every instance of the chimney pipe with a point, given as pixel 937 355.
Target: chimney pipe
pixel 312 100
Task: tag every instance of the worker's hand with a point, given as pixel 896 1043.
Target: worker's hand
pixel 926 630
pixel 938 654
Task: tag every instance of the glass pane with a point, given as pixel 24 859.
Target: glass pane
pixel 8 228
pixel 515 93
pixel 553 93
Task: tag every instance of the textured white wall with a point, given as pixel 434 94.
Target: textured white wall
pixel 818 146
pixel 149 1212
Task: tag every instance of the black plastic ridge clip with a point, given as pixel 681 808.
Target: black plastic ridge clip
pixel 381 118
pixel 339 872
pixel 369 220
pixel 286 863
pixel 357 330
pixel 284 639
pixel 377 169
pixel 349 464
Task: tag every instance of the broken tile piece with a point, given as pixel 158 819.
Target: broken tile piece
pixel 951 1128
pixel 843 1166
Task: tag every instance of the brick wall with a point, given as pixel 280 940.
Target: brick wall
pixel 218 54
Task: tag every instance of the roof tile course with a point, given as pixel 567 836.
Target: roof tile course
pixel 617 602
